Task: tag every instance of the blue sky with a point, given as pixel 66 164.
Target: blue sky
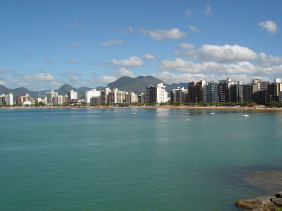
pixel 45 44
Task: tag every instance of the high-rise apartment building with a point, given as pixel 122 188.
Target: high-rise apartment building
pixel 156 94
pixel 50 95
pixel 9 99
pixel 105 96
pixel 273 91
pixel 196 91
pixel 178 95
pixel 211 92
pixel 236 93
pixel 91 93
pixel 72 95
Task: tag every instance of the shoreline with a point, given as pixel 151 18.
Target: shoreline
pixel 231 108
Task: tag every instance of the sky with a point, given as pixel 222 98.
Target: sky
pixel 47 43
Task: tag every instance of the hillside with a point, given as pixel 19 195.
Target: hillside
pixel 136 85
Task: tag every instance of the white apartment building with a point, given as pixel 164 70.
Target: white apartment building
pixel 50 95
pixel 162 95
pixel 9 99
pixel 91 93
pixel 72 95
pixel 133 97
pixel 59 100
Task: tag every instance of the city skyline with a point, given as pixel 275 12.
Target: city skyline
pixel 46 44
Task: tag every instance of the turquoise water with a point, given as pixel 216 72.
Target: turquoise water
pixel 108 159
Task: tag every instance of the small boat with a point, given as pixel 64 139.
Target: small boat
pixel 212 113
pixel 187 119
pixel 185 114
pixel 133 113
pixel 246 114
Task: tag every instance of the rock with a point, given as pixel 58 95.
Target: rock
pixel 278 195
pixel 277 201
pixel 261 209
pixel 255 203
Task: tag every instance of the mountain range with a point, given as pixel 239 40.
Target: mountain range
pixel 137 85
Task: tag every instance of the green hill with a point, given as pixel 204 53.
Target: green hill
pixel 136 85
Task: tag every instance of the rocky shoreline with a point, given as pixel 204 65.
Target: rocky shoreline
pixel 261 203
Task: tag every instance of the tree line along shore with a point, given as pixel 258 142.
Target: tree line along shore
pixel 156 106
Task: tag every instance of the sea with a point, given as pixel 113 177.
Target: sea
pixel 134 159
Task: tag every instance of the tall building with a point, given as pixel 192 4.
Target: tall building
pixel 224 91
pixel 9 99
pixel 59 100
pixel 91 93
pixel 105 96
pixel 133 98
pixel 273 91
pixel 156 94
pixel 142 98
pixel 259 91
pixel 236 93
pixel 196 91
pixel 72 96
pixel 211 92
pixel 178 95
pixel 50 95
pixel 2 99
pixel 247 93
pixel 259 97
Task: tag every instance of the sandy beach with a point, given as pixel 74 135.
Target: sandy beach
pixel 183 107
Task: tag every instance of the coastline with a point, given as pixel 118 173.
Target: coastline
pixel 231 108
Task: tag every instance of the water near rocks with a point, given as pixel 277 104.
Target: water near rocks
pixel 108 159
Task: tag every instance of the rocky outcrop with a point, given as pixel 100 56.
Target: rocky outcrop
pixel 261 203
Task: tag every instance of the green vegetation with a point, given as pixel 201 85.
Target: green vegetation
pixel 275 104
pixel 278 209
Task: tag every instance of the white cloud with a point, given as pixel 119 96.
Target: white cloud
pixel 2 70
pixel 73 61
pixel 194 28
pixel 225 53
pixel 208 10
pixel 112 42
pixel 187 46
pixel 75 46
pixel 2 83
pixel 189 13
pixel 106 79
pixel 266 60
pixel 244 67
pixel 130 62
pixel 39 77
pixel 48 61
pixel 159 34
pixel 269 26
pixel 149 57
pixel 186 77
pixel 124 72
